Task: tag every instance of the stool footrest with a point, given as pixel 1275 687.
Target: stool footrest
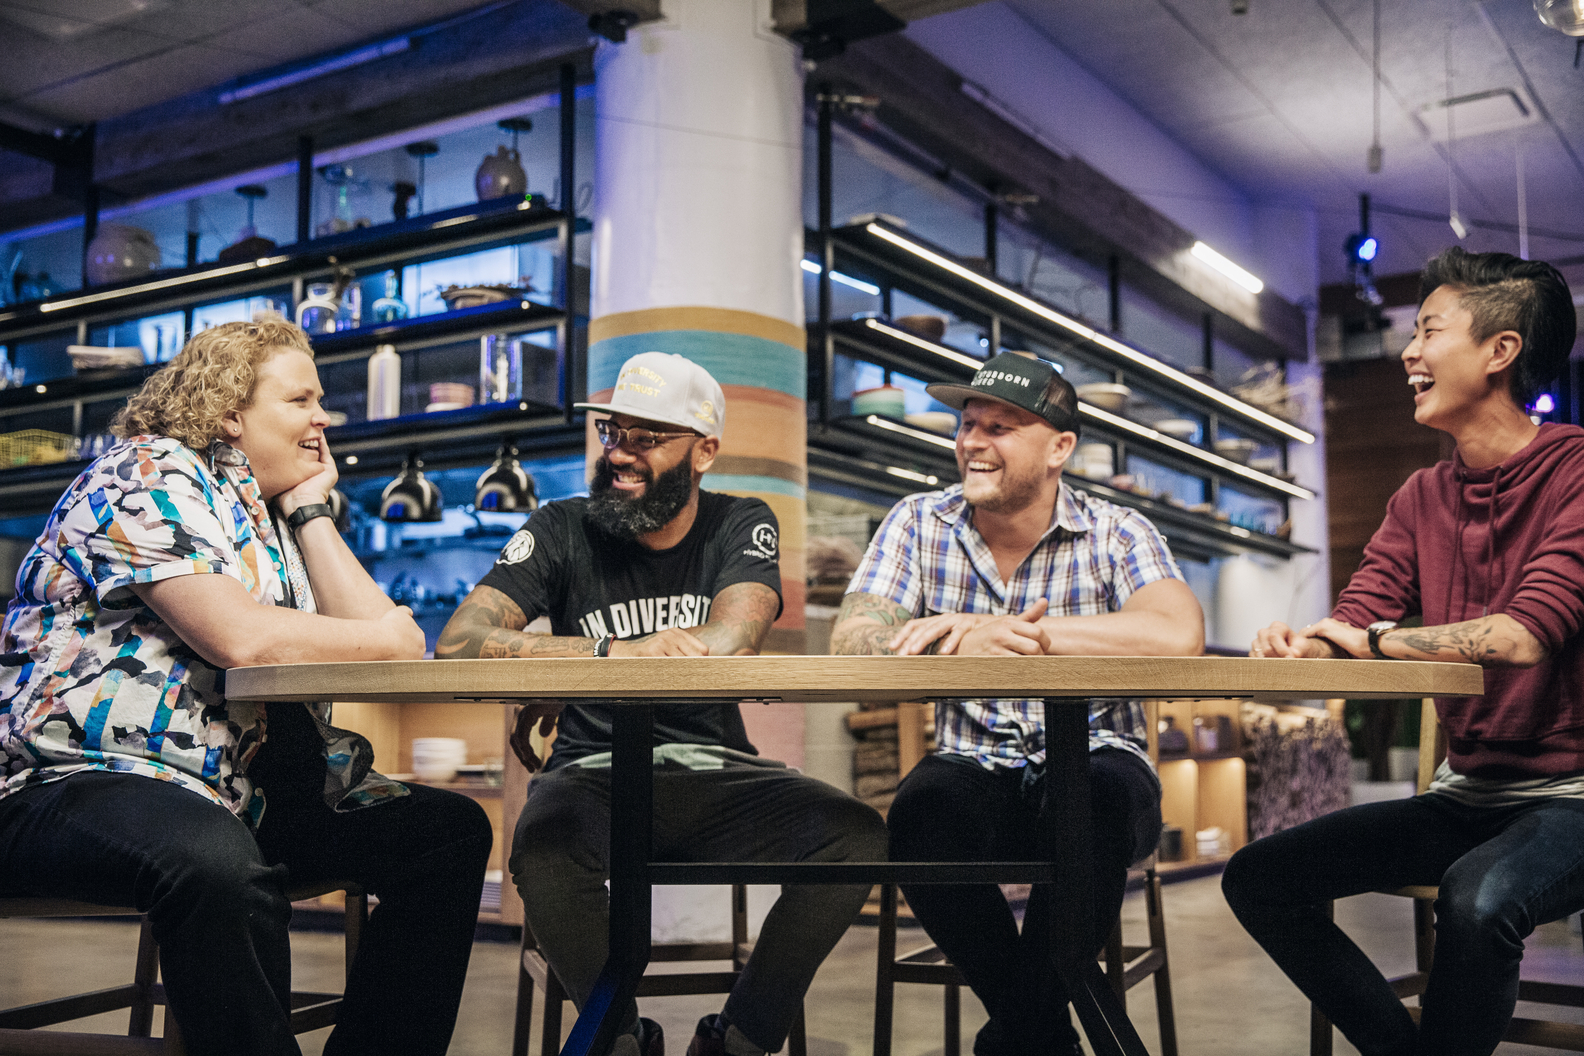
pixel 63 1043
pixel 66 1009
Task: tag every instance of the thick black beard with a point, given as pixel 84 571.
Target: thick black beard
pixel 663 498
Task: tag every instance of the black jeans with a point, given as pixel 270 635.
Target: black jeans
pixel 949 808
pixel 738 814
pixel 1503 871
pixel 215 894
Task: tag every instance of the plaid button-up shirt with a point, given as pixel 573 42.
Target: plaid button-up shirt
pixel 928 558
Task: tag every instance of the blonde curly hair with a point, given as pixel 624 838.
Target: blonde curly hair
pixel 211 377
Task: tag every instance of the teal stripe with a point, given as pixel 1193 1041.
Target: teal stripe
pixel 732 359
pixel 751 482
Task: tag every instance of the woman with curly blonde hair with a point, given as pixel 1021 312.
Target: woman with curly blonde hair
pixel 203 541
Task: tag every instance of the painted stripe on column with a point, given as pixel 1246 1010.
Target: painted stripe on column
pixel 696 317
pixel 736 483
pixel 732 359
pixel 739 465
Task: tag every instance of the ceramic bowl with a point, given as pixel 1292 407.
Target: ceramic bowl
pixel 1180 428
pixel 1105 395
pixel 934 421
pixel 887 400
pixel 929 327
pixel 1236 448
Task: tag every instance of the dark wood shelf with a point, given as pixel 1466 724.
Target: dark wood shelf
pixel 433 235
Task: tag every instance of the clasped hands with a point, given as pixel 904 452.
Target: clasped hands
pixel 975 634
pixel 1326 639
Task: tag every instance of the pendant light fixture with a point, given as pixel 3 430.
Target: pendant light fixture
pixel 411 496
pixel 506 487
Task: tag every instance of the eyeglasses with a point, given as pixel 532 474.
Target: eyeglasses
pixel 642 440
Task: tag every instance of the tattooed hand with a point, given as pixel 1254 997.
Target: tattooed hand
pixel 866 625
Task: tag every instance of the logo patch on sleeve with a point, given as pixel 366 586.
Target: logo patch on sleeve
pixel 519 548
pixel 765 542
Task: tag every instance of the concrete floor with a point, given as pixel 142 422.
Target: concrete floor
pixel 1230 999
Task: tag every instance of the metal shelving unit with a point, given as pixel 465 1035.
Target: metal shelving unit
pixel 894 458
pixel 64 404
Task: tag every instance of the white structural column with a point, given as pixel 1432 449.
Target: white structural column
pixel 698 238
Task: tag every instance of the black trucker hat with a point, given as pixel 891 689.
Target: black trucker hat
pixel 1027 383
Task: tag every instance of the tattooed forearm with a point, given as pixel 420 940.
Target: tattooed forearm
pixel 740 619
pixel 503 644
pixel 1491 641
pixel 482 627
pixel 865 624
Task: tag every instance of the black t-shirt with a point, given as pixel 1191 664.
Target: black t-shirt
pixel 591 583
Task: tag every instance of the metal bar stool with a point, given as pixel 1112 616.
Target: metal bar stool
pixel 19 1027
pixel 534 970
pixel 1523 1031
pixel 1126 967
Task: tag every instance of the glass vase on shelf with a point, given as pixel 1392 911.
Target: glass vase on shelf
pixel 349 312
pixel 500 368
pixel 317 312
pixel 390 308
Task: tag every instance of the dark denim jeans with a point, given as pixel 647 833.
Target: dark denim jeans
pixel 215 893
pixel 951 809
pixel 738 814
pixel 1503 871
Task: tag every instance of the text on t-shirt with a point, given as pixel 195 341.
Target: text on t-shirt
pixel 646 616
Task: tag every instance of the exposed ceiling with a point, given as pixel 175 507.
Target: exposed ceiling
pixel 1280 102
pixel 74 61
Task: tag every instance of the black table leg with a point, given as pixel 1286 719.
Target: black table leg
pixel 1102 1014
pixel 632 815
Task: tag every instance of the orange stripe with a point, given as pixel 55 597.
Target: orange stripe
pixel 696 317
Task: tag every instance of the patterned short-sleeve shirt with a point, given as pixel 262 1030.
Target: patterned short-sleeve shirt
pixel 928 558
pixel 92 679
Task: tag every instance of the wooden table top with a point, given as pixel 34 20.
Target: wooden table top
pixel 849 678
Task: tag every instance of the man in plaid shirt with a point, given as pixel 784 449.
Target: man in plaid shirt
pixel 1013 562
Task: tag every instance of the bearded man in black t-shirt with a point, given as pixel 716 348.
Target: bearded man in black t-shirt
pixel 651 565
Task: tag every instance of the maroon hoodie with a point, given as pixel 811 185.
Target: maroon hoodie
pixel 1438 554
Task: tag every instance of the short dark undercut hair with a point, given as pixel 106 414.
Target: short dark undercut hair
pixel 1504 292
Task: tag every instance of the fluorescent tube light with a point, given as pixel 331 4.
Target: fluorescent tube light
pixel 163 284
pixel 908 474
pixel 344 61
pixel 1219 263
pixel 1127 352
pixel 928 346
pixel 846 280
pixel 917 434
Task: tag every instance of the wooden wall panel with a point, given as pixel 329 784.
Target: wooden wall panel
pixel 1373 446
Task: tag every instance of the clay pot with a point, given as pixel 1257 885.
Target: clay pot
pixel 500 175
pixel 119 252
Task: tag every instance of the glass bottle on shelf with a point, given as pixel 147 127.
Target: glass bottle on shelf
pixel 349 312
pixel 500 368
pixel 390 308
pixel 384 384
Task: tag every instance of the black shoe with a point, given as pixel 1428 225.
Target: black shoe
pixel 649 1040
pixel 709 1039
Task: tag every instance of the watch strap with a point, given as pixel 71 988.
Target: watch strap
pixel 1374 631
pixel 303 514
pixel 603 645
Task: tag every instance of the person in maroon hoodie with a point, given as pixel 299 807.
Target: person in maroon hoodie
pixel 1488 549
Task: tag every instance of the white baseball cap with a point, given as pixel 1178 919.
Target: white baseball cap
pixel 669 388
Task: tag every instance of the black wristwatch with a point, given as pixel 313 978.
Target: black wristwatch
pixel 1375 630
pixel 303 514
pixel 602 646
